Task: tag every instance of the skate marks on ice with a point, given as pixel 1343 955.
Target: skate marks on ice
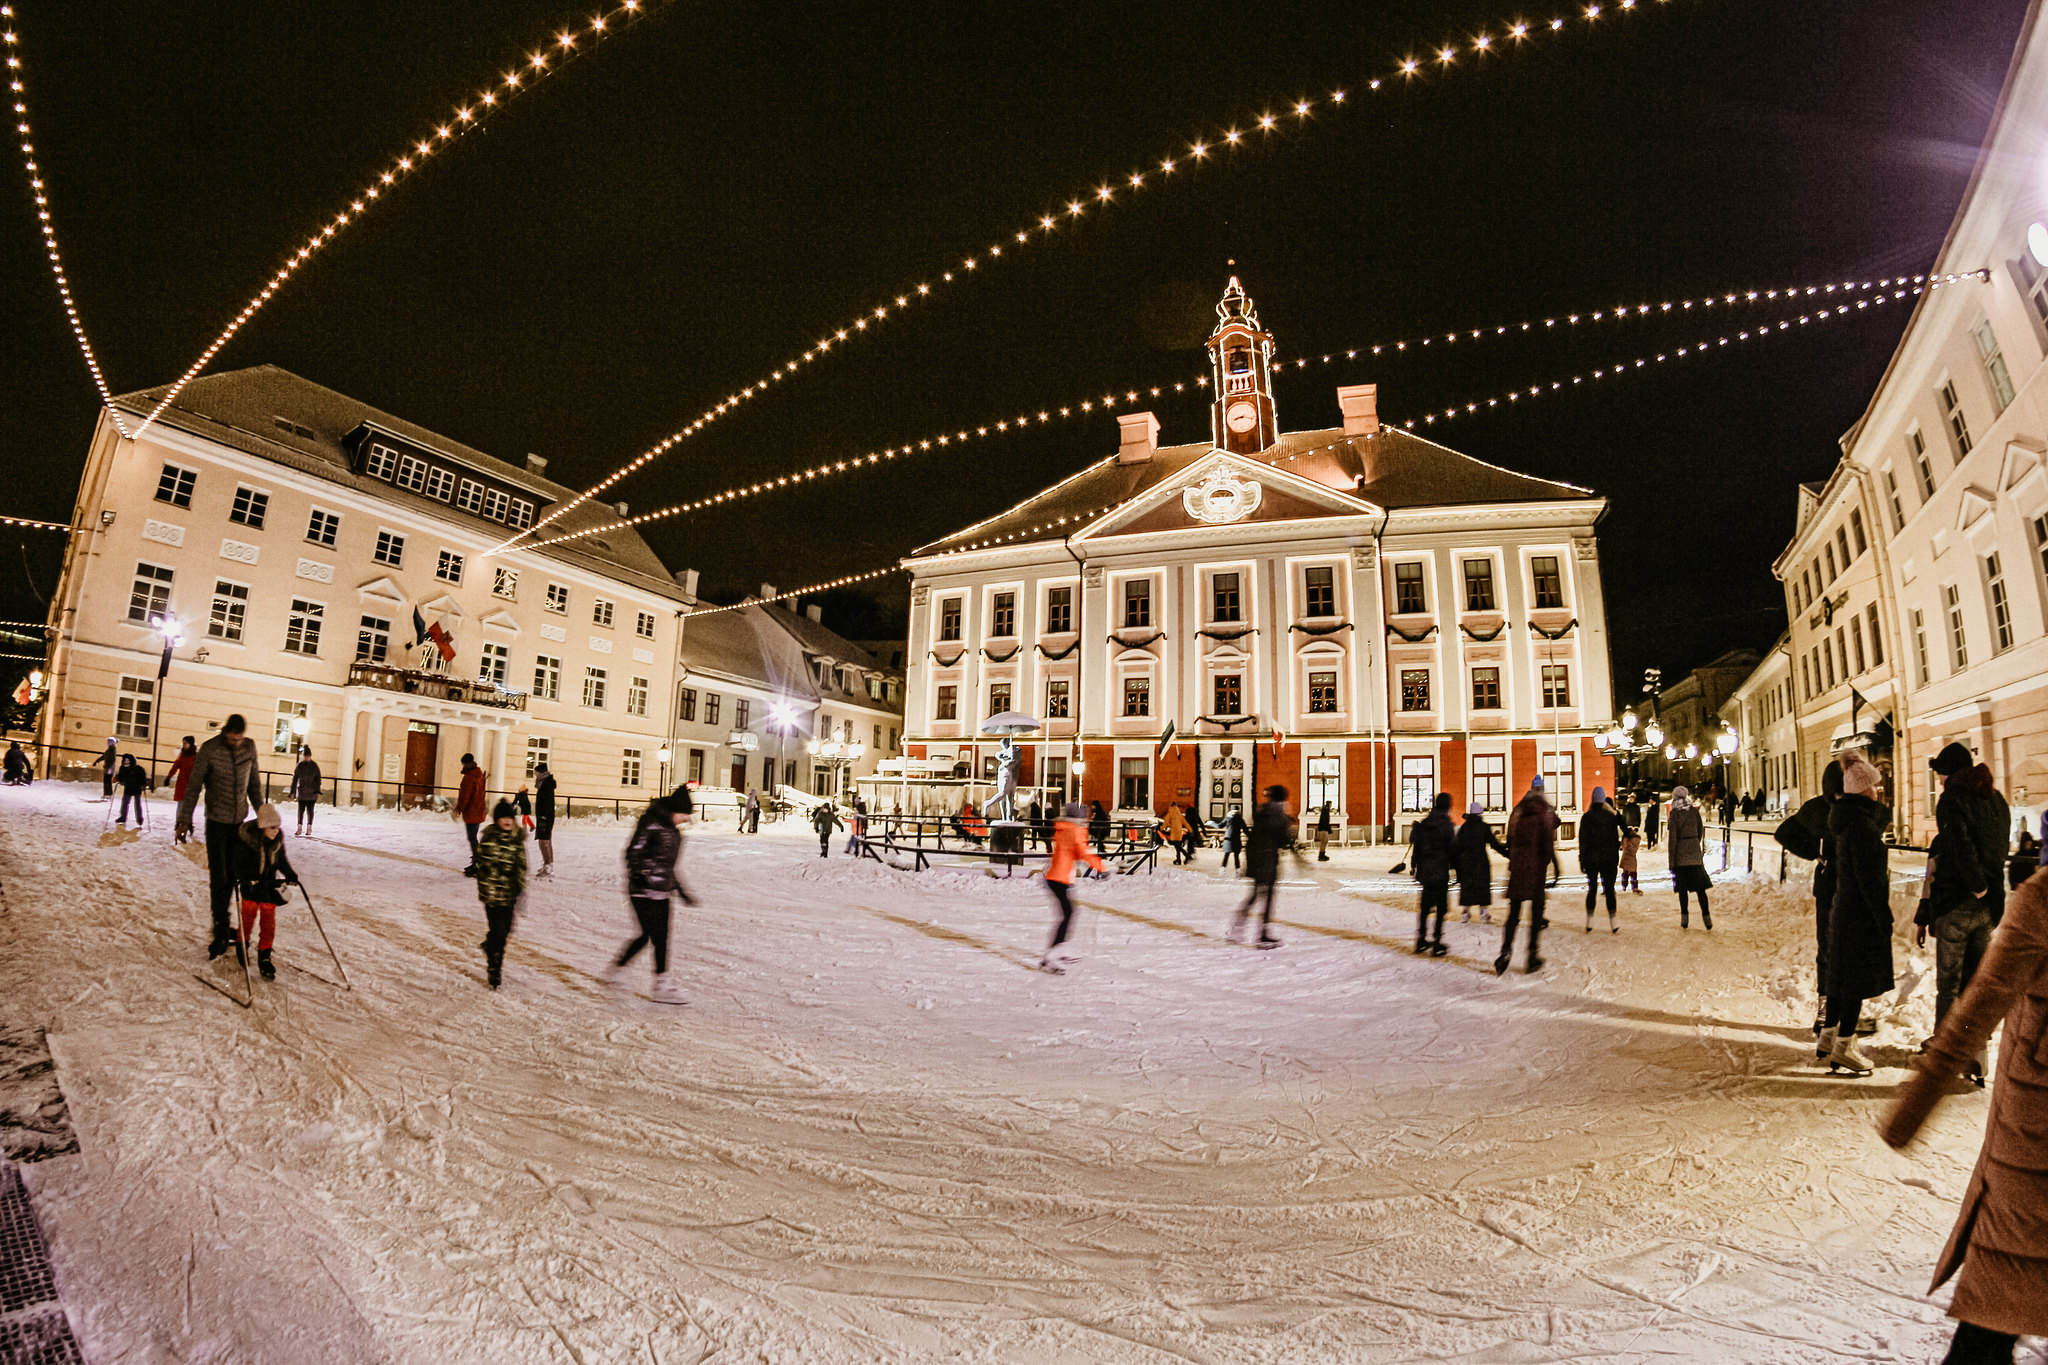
pixel 34 1121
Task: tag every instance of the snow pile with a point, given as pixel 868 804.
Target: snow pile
pixel 877 1134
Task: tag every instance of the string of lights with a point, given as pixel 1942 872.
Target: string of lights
pixel 1697 349
pixel 34 525
pixel 27 625
pixel 558 51
pixel 797 592
pixel 41 192
pixel 1101 196
pixel 1625 313
pixel 32 658
pixel 1002 425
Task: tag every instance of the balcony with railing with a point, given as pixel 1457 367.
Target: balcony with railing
pixel 437 686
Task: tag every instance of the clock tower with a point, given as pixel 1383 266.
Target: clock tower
pixel 1242 419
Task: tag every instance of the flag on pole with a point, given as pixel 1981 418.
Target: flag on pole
pixel 423 630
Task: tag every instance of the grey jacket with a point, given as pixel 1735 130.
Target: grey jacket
pixel 228 775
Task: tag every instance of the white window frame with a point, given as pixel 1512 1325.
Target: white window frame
pixel 629 767
pixel 601 611
pixel 251 507
pixel 134 707
pixel 373 639
pixel 494 665
pixel 389 549
pixel 595 681
pixel 636 697
pixel 547 677
pixel 538 751
pixel 505 583
pixel 449 565
pixel 320 519
pixel 306 622
pixel 557 600
pixel 229 611
pixel 154 601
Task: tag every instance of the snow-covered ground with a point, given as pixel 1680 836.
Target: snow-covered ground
pixel 875 1134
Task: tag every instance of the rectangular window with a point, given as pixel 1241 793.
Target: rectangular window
pixel 1414 689
pixel 1827 659
pixel 593 688
pixel 149 600
pixel 250 508
pixel 283 740
pixel 1876 639
pixel 1557 686
pixel 998 698
pixel 643 625
pixel 712 703
pixel 497 504
pixel 1322 693
pixel 1952 413
pixel 547 678
pixel 323 527
pixel 1958 646
pixel 558 597
pixel 1923 466
pixel 1478 585
pixel 536 754
pixel 636 700
pixel 629 768
pixel 1486 689
pixel 1805 679
pixel 373 640
pixel 1549 583
pixel 601 613
pixel 1319 588
pixel 949 619
pixel 302 631
pixel 470 496
pixel 1134 784
pixel 496 665
pixel 390 549
pixel 1227 695
pixel 230 610
pixel 449 567
pixel 1002 616
pixel 412 473
pixel 1138 604
pixel 1224 604
pixel 134 707
pixel 1137 696
pixel 1856 642
pixel 946 704
pixel 1920 646
pixel 174 485
pixel 520 513
pixel 1561 779
pixel 1842 650
pixel 1408 598
pixel 1418 783
pixel 1856 531
pixel 1806 583
pixel 1842 544
pixel 1059 611
pixel 1898 504
pixel 1832 573
pixel 505 583
pixel 1995 372
pixel 1058 698
pixel 1490 781
pixel 686 704
pixel 382 464
pixel 2001 605
pixel 440 484
pixel 2040 526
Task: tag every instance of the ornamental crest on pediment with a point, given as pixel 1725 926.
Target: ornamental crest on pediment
pixel 1221 498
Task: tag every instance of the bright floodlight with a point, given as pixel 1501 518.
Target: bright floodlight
pixel 2037 242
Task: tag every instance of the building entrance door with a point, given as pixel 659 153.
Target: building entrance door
pixel 739 773
pixel 422 747
pixel 1324 787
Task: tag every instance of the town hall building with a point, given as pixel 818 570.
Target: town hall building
pixel 1358 614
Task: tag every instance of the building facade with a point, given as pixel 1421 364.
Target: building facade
pixel 1358 614
pixel 1763 711
pixel 325 565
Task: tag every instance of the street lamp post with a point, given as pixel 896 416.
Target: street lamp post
pixel 662 756
pixel 173 637
pixel 838 755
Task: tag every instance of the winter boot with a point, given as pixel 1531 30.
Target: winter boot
pixel 1684 919
pixel 217 947
pixel 1844 1057
pixel 1612 927
pixel 1825 1043
pixel 1437 949
pixel 1534 966
pixel 1706 917
pixel 667 992
pixel 265 965
pixel 1500 965
pixel 494 971
pixel 1589 921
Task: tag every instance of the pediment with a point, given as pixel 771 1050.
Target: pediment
pixel 445 606
pixel 2022 458
pixel 382 590
pixel 501 620
pixel 1222 490
pixel 1976 504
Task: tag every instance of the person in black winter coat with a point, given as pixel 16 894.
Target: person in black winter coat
pixel 1098 826
pixel 1233 839
pixel 825 819
pixel 1433 852
pixel 1272 829
pixel 1475 869
pixel 1650 821
pixel 305 789
pixel 1860 923
pixel 1600 854
pixel 1632 812
pixel 544 817
pixel 262 871
pixel 133 779
pixel 1967 895
pixel 651 882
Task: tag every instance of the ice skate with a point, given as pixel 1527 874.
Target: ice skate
pixel 1612 926
pixel 1589 921
pixel 546 870
pixel 1437 949
pixel 1500 965
pixel 667 992
pixel 218 946
pixel 1267 941
pixel 1845 1057
pixel 1706 918
pixel 1825 1043
pixel 265 965
pixel 1534 966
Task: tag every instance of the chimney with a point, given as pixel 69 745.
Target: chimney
pixel 1140 437
pixel 816 613
pixel 767 591
pixel 537 464
pixel 688 579
pixel 622 509
pixel 1361 405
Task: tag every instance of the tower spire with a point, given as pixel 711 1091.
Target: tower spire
pixel 1242 417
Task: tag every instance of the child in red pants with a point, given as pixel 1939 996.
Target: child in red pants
pixel 262 871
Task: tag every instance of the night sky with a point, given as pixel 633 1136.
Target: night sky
pixel 692 204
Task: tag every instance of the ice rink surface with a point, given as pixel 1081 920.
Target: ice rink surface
pixel 877 1134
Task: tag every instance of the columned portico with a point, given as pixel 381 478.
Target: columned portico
pixel 364 713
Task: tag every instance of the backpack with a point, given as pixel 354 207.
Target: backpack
pixel 1799 833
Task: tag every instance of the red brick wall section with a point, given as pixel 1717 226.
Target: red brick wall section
pixel 1282 768
pixel 915 751
pixel 1450 774
pixel 1523 767
pixel 1175 778
pixel 1598 768
pixel 1358 784
pixel 1098 780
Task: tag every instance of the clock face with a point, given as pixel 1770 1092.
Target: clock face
pixel 1241 417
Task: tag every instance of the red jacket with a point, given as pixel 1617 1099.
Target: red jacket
pixel 1069 842
pixel 471 803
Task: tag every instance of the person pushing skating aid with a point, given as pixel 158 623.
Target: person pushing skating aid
pixel 262 870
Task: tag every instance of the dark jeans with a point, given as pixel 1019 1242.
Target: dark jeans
pixel 107 783
pixel 1820 943
pixel 126 798
pixel 471 830
pixel 652 912
pixel 220 870
pixel 1233 856
pixel 1974 1345
pixel 306 815
pixel 1507 942
pixel 1960 938
pixel 1598 875
pixel 500 919
pixel 825 842
pixel 1261 887
pixel 1435 896
pixel 1063 893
